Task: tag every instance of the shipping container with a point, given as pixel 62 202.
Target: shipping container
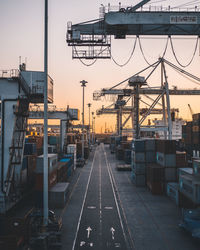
pixel 58 195
pixel 166 160
pixel 139 180
pixel 52 162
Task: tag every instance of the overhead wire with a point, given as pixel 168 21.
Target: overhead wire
pixel 177 60
pixel 186 4
pixel 90 64
pixel 131 55
pixel 142 51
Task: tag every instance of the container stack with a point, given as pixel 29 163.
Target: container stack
pixel 64 169
pixel 196 131
pixel 155 176
pixel 52 176
pixel 166 157
pixel 138 163
pixel 189 182
pixel 72 149
pixel 58 195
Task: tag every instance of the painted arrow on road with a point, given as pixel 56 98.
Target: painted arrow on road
pixel 89 229
pixel 113 233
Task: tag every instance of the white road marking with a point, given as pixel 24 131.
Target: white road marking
pixel 91 207
pixel 84 199
pixel 115 198
pixel 108 208
pixel 82 243
pixel 113 233
pixel 89 229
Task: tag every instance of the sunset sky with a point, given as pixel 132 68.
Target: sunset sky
pixel 22 34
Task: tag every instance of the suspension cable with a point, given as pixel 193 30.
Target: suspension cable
pixel 131 55
pixel 142 51
pixel 174 53
pixel 90 64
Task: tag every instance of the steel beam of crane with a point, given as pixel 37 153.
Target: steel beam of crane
pixel 128 110
pixel 145 91
pixel 137 23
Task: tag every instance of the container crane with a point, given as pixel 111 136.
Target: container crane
pixel 92 39
pixel 191 111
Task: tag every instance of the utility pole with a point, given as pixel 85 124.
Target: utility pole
pixel 92 127
pixel 45 152
pixel 83 84
pixel 89 106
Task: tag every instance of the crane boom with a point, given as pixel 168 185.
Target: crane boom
pixel 137 6
pixel 95 34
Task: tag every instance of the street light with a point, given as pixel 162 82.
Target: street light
pixel 89 106
pixel 83 84
pixel 92 127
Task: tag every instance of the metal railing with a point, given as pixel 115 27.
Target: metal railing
pixel 123 8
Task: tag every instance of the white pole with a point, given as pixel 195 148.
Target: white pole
pixel 45 152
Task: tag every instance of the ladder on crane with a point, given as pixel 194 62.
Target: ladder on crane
pixel 21 111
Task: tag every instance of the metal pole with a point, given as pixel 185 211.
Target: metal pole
pixel 83 127
pixel 83 84
pixel 89 105
pixel 92 127
pixel 45 153
pixel 168 105
pixel 163 102
pixel 136 108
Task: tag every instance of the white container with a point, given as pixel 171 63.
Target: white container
pixel 71 148
pixel 52 163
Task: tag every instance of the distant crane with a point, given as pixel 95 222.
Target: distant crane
pixel 191 111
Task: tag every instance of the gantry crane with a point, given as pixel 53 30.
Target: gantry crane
pixel 136 90
pixel 92 39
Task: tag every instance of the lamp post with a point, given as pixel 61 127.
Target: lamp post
pixel 45 150
pixel 83 84
pixel 92 127
pixel 89 106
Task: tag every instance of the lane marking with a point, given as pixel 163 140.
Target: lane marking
pixel 89 229
pixel 82 243
pixel 100 200
pixel 123 212
pixel 115 198
pixel 84 199
pixel 113 233
pixel 108 208
pixel 91 207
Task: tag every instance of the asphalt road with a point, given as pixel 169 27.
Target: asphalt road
pixel 100 224
pixel 106 211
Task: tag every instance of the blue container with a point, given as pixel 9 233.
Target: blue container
pixel 53 140
pixel 173 191
pixel 68 160
pixel 150 157
pixel 30 149
pixel 150 145
pixel 138 145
